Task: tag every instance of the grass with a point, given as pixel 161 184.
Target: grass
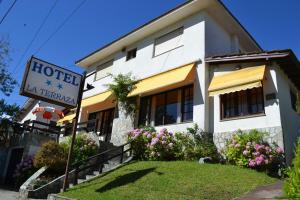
pixel 170 180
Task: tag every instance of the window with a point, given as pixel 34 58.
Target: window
pixel 167 107
pixel 242 103
pixel 187 103
pixel 293 100
pixel 145 111
pixel 168 41
pixel 103 70
pixel 131 54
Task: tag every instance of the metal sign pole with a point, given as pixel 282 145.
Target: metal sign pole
pixel 66 183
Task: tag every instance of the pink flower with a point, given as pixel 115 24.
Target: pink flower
pixel 149 136
pixel 256 154
pixel 163 142
pixel 237 146
pixel 252 163
pixel 154 141
pixel 260 160
pixel 163 130
pixel 245 153
pixel 279 150
pixel 160 134
pixel 145 133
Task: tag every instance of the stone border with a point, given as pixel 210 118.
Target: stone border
pixel 275 135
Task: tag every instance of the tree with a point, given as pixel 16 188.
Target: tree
pixel 122 85
pixel 7 83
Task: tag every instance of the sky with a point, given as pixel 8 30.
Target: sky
pixel 273 23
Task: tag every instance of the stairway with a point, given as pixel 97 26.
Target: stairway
pixel 108 162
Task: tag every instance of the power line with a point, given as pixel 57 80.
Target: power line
pixel 35 35
pixel 9 9
pixel 60 26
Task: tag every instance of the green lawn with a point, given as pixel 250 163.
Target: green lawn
pixel 171 180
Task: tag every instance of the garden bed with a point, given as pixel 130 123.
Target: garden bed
pixel 171 180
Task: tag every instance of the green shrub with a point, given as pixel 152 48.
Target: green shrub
pixel 292 184
pixel 250 150
pixel 147 144
pixel 83 148
pixel 52 155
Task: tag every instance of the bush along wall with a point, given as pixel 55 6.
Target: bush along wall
pixel 248 149
pixel 292 184
pixel 147 144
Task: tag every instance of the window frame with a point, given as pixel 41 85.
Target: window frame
pixel 99 66
pixel 130 51
pixel 153 109
pixel 164 35
pixel 183 101
pixel 222 109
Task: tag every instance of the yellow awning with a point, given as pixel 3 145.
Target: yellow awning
pixel 96 99
pixel 67 118
pixel 242 79
pixel 183 74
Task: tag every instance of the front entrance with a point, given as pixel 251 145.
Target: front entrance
pixel 15 158
pixel 104 121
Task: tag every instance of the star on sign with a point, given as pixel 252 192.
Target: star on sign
pixel 48 82
pixel 59 86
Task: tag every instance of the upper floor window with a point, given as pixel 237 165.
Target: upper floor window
pixel 131 54
pixel 103 70
pixel 168 42
pixel 242 103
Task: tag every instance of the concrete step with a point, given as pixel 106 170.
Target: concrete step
pixel 88 177
pixel 96 173
pixel 80 180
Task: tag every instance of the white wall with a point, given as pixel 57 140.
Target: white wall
pixel 272 113
pixel 290 119
pixel 145 65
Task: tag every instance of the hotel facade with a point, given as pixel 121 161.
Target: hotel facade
pixel 195 64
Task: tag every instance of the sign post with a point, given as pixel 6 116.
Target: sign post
pixel 57 85
pixel 66 183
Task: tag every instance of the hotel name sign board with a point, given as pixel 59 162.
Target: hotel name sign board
pixel 50 83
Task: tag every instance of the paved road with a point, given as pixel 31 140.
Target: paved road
pixel 273 191
pixel 8 195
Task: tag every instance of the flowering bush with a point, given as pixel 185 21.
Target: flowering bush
pixel 23 171
pixel 54 155
pixel 149 145
pixel 196 144
pixel 250 150
pixel 84 147
pixel 292 184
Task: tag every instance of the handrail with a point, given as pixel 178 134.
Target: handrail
pixel 99 162
pixel 102 153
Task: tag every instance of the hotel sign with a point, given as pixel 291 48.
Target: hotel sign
pixel 50 83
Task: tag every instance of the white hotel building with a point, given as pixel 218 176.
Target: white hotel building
pixel 196 64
